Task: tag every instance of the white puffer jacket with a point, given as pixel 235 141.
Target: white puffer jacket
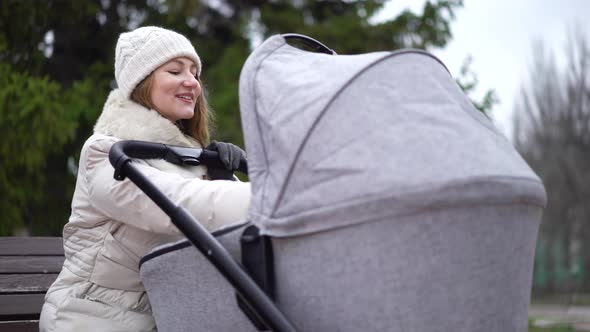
pixel 113 223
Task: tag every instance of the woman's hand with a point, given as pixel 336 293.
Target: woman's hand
pixel 230 156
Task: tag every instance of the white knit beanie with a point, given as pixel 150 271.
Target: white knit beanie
pixel 143 50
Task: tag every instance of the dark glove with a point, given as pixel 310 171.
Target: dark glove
pixel 230 156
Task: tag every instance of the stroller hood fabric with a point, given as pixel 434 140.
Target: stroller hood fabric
pixel 337 140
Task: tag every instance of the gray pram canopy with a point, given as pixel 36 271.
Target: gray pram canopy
pixel 338 140
pixel 392 203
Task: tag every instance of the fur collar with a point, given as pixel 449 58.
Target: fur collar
pixel 126 120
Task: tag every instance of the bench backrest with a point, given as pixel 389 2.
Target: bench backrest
pixel 28 266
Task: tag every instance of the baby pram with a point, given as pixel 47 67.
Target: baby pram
pixel 388 201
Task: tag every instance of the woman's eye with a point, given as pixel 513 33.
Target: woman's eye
pixel 174 72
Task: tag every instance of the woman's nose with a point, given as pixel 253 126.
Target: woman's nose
pixel 190 81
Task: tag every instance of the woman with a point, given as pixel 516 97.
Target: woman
pixel 113 223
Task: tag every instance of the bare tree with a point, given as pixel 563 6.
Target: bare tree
pixel 552 131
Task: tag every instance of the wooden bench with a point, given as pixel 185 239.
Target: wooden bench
pixel 28 266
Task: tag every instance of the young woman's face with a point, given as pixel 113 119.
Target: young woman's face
pixel 175 89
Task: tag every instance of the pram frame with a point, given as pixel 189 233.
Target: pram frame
pixel 120 156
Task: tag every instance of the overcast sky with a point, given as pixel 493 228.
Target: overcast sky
pixel 498 35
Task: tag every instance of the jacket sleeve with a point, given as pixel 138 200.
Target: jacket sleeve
pixel 213 203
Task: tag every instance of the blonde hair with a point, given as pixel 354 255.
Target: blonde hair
pixel 196 127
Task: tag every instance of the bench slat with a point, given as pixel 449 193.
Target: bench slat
pixel 20 326
pixel 26 283
pixel 30 264
pixel 31 246
pixel 21 306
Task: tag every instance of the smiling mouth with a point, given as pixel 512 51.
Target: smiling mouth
pixel 186 99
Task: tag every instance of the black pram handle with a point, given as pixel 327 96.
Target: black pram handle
pixel 121 154
pixel 124 151
pixel 310 42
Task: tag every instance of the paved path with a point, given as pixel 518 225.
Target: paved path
pixel 551 314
